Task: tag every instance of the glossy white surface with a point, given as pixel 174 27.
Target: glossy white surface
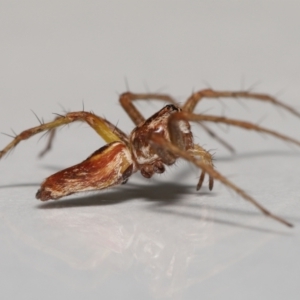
pixel 158 238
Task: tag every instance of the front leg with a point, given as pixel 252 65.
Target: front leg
pixel 104 128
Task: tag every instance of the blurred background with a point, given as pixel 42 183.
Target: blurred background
pixel 158 238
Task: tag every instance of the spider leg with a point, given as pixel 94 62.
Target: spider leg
pixel 104 128
pixel 215 136
pixel 127 99
pixel 234 122
pixel 158 142
pixel 112 127
pixel 195 98
pixel 110 165
pixel 48 147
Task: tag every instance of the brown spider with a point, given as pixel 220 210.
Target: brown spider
pixel 154 143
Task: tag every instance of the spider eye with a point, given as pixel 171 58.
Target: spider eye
pixel 172 107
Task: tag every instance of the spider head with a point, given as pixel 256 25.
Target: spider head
pixel 148 160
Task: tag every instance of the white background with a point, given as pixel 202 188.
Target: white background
pixel 155 238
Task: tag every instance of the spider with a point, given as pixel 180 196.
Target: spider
pixel 154 143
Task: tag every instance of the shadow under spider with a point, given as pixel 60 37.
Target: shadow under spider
pixel 163 196
pixel 163 193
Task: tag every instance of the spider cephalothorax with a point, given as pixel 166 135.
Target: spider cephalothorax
pixel 155 143
pixel 148 160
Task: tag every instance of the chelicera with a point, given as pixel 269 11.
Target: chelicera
pixel 153 144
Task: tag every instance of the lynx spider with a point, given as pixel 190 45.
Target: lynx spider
pixel 155 142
